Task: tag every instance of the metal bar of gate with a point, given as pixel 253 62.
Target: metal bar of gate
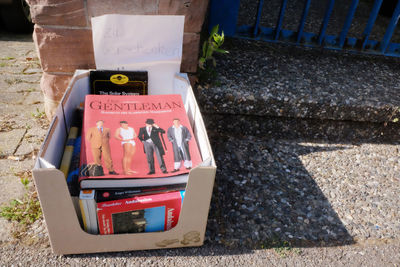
pixel 325 22
pixel 259 11
pixel 303 20
pixel 226 12
pixel 280 19
pixel 371 22
pixel 390 28
pixel 347 24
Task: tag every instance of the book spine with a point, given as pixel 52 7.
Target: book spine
pixel 85 220
pixel 73 174
pixel 68 151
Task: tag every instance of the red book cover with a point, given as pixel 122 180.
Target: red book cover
pixel 150 213
pixel 129 137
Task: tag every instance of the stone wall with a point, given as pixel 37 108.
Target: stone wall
pixel 63 35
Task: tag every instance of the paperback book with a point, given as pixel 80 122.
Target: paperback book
pixel 136 141
pixel 149 213
pixel 130 211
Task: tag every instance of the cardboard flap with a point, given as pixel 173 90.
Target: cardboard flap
pixel 182 86
pixel 49 154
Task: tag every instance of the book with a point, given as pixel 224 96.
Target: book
pixel 87 204
pixel 136 141
pixel 73 170
pixel 148 213
pixel 152 217
pixel 116 194
pixel 115 82
pixel 68 151
pixel 73 174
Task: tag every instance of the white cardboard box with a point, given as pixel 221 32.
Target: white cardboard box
pixel 65 232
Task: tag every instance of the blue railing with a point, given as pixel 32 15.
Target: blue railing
pixel 235 22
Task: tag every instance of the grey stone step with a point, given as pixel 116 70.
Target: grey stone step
pixel 258 78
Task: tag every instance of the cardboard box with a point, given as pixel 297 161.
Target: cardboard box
pixel 65 232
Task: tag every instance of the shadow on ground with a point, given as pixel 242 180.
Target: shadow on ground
pixel 264 196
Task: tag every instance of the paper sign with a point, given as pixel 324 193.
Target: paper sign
pixel 130 42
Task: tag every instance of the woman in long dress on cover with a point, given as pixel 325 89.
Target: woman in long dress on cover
pixel 127 135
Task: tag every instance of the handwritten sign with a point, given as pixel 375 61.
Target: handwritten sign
pixel 130 42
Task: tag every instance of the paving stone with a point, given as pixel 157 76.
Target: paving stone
pixel 12 96
pixel 9 141
pixel 32 141
pixel 33 98
pixel 15 189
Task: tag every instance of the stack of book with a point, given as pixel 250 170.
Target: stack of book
pixel 130 161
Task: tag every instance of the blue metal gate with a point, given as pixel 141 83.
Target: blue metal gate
pixel 262 24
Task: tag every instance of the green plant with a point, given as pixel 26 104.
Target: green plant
pixel 282 248
pixel 25 211
pixel 211 45
pixel 7 58
pixel 25 181
pixel 38 114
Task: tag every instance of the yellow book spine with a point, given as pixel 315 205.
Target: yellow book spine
pixel 81 205
pixel 68 151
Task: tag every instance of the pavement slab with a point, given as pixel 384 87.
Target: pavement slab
pixel 15 189
pixel 9 141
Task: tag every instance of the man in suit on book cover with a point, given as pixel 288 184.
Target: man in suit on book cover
pixel 99 139
pixel 150 137
pixel 179 136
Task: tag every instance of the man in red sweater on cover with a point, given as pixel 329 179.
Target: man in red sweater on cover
pixel 99 139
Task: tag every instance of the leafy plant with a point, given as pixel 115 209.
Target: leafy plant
pixel 282 248
pixel 25 211
pixel 25 181
pixel 211 45
pixel 38 114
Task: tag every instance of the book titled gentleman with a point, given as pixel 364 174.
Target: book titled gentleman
pixel 109 82
pixel 150 213
pixel 136 141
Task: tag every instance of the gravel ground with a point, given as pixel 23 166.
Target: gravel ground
pixel 324 190
pixel 267 179
pixel 277 80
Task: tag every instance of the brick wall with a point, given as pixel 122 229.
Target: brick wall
pixel 63 35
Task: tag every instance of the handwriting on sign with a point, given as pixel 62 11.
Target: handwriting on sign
pixel 157 50
pixel 113 31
